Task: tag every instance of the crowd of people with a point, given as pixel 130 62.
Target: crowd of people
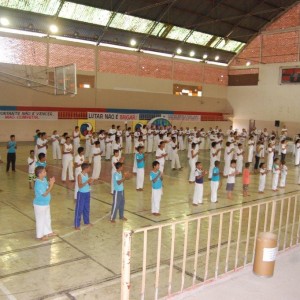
pixel 242 151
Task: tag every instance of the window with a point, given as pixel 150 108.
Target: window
pixel 187 90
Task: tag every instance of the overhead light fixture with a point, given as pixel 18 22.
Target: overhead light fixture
pixel 248 63
pixel 22 32
pixel 132 42
pixel 53 28
pixel 205 56
pixel 192 53
pixel 217 57
pixel 178 51
pixel 4 21
pixel 117 47
pixel 216 63
pixel 156 53
pixel 187 58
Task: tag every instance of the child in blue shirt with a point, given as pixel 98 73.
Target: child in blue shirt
pixel 156 177
pixel 215 182
pixel 140 171
pixel 83 197
pixel 198 191
pixel 11 154
pixel 118 193
pixel 41 204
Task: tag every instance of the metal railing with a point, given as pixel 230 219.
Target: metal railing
pixel 165 259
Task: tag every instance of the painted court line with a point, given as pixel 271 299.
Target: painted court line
pixel 6 292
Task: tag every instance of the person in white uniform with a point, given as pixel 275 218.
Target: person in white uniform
pixel 150 139
pixel 56 151
pixel 108 149
pixel 67 160
pixel 239 158
pixel 128 139
pixel 192 162
pixel 76 138
pixel 297 152
pixel 251 144
pixel 96 161
pixel 175 164
pixel 42 144
pixel 160 156
pixel 199 174
pixel 102 137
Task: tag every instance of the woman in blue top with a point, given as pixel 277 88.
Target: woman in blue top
pixel 11 153
pixel 83 197
pixel 41 204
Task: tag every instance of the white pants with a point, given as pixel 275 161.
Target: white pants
pixel 155 143
pixel 181 144
pixel 192 163
pixel 161 168
pixel 128 148
pixel 150 144
pixel 56 151
pixel 77 172
pixel 282 180
pixel 108 152
pixel 270 161
pixel 155 200
pixel 175 161
pixel 96 168
pixel 76 145
pixel 214 185
pixel 112 181
pixel 262 183
pixel 239 165
pixel 297 157
pixel 250 155
pixel 275 181
pixel 67 166
pixel 140 175
pixel 102 147
pixel 88 149
pixel 198 193
pixel 42 220
pixel 134 168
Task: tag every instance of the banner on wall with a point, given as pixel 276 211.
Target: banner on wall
pixel 28 115
pixel 85 127
pixel 112 116
pixel 187 118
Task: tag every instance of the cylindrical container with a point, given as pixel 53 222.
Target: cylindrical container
pixel 265 254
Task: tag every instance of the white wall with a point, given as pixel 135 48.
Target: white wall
pixel 266 102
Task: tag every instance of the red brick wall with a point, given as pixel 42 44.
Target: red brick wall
pixel 273 46
pixel 22 52
pixel 64 54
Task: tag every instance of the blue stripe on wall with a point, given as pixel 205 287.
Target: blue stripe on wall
pixel 8 108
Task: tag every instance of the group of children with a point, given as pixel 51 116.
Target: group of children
pixel 168 142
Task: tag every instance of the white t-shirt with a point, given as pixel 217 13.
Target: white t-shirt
pixel 54 139
pixel 97 150
pixel 173 145
pixel 79 161
pixel 231 179
pixel 42 143
pixel 31 167
pixel 160 152
pixel 68 148
pixel 114 160
pixel 76 135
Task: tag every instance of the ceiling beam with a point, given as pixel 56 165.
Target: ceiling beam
pixel 164 12
pixel 114 12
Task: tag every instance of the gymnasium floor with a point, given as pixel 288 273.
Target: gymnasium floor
pixel 87 264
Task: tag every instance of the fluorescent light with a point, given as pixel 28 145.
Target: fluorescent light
pixel 205 56
pixel 187 58
pixel 22 32
pixel 86 86
pixel 192 53
pixel 248 63
pixel 53 28
pixel 132 42
pixel 117 47
pixel 216 63
pixel 63 38
pixel 4 21
pixel 217 57
pixel 178 51
pixel 157 53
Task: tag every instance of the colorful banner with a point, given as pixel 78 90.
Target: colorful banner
pixel 112 116
pixel 187 118
pixel 85 127
pixel 28 115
